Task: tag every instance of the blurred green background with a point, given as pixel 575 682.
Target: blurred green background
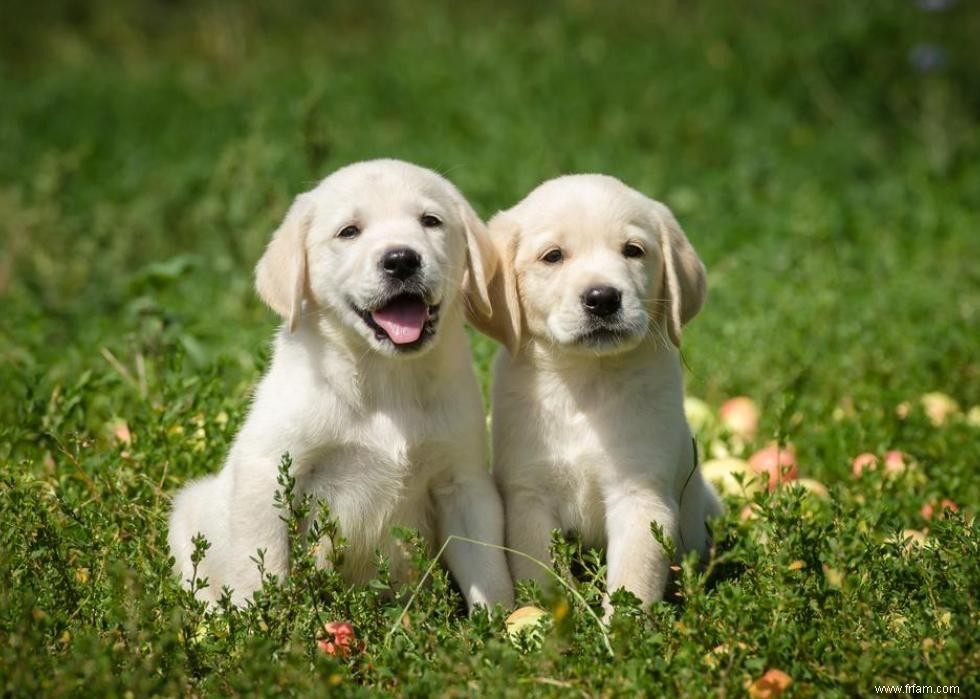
pixel 823 158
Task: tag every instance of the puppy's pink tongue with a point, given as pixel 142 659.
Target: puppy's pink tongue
pixel 403 319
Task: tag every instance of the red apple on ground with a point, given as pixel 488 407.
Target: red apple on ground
pixel 864 462
pixel 746 513
pixel 929 509
pixel 895 462
pixel 740 416
pixel 340 639
pixel 120 432
pixel 778 462
pixel 771 685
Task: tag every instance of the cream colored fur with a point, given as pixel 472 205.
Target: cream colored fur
pixel 590 435
pixel 383 436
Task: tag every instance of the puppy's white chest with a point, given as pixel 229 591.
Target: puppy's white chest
pixel 378 476
pixel 394 442
pixel 567 465
pixel 382 448
pixel 578 471
pixel 587 444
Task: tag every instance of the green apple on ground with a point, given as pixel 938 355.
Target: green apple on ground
pixel 973 416
pixel 731 475
pixel 939 407
pixel 524 619
pixel 811 486
pixel 699 415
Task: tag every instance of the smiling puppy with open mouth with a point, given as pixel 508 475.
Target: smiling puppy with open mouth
pixel 589 434
pixel 370 390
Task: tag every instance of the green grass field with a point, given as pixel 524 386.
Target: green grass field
pixel 824 159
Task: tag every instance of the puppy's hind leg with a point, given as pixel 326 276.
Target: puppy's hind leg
pixel 199 508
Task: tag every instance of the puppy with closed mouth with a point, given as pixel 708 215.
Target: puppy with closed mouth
pixel 593 285
pixel 370 390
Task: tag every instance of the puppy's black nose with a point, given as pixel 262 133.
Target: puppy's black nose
pixel 401 263
pixel 602 301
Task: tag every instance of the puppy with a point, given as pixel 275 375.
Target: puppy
pixel 370 390
pixel 589 434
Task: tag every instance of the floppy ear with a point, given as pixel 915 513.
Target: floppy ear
pixel 481 261
pixel 684 276
pixel 501 319
pixel 280 276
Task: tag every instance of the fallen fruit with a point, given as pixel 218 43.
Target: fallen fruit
pixel 894 462
pixel 812 486
pixel 929 509
pixel 698 413
pixel 720 449
pixel 973 416
pixel 724 472
pixel 778 462
pixel 939 407
pixel 864 462
pixel 341 639
pixel 947 504
pixel 740 416
pixel 772 684
pixel 911 539
pixel 524 619
pixel 121 433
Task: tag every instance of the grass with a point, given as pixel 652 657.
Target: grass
pixel 828 177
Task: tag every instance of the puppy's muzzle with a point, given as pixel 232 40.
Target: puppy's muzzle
pixel 602 301
pixel 604 321
pixel 403 313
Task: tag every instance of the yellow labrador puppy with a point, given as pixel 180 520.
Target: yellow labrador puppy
pixel 371 389
pixel 589 434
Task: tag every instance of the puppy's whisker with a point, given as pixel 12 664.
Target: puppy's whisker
pixel 452 168
pixel 656 333
pixel 657 301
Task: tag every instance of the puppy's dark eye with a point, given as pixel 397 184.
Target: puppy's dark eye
pixel 349 232
pixel 633 250
pixel 430 221
pixel 553 257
